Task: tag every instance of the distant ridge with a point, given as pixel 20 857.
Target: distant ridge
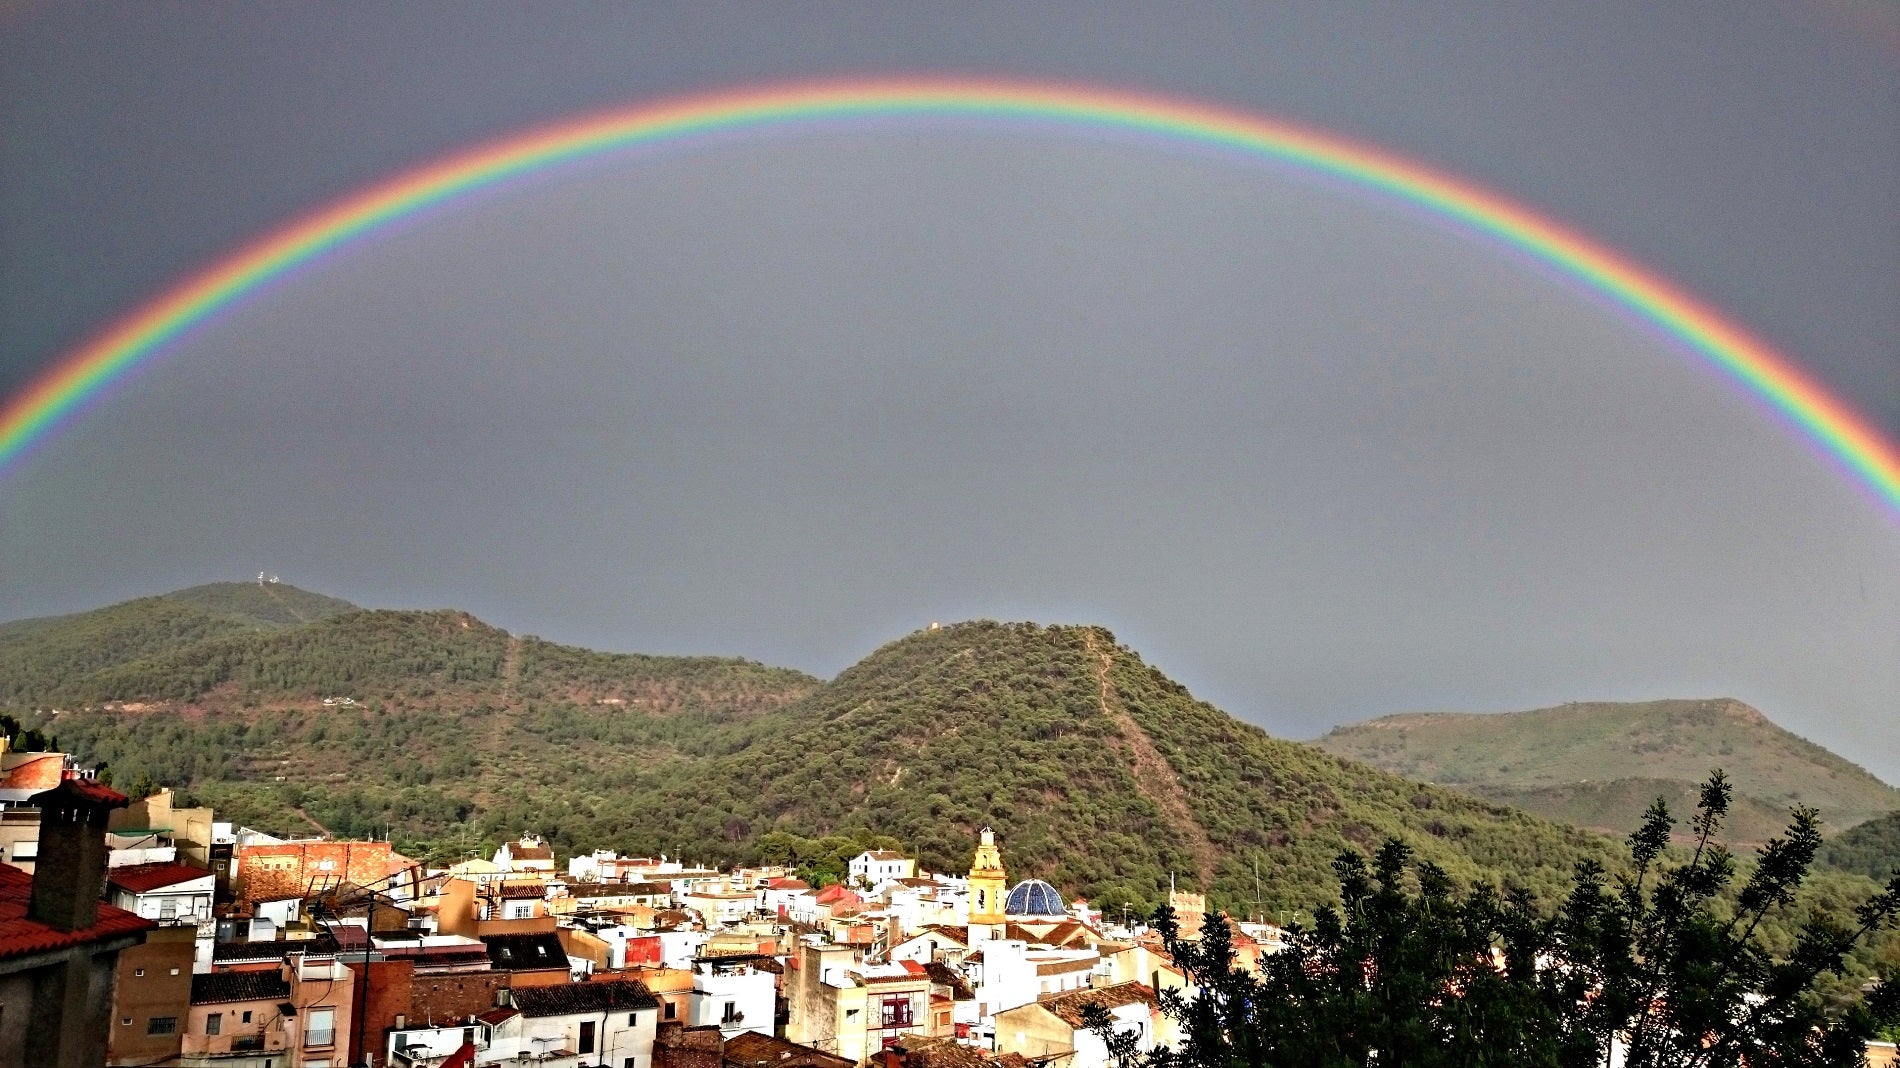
pixel 1100 773
pixel 1588 763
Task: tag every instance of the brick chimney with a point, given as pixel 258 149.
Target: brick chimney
pixel 70 874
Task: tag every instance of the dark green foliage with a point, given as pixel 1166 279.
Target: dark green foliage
pixel 821 861
pixel 1410 971
pixel 54 661
pixel 1871 849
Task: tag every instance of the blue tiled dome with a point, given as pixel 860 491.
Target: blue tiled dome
pixel 1033 897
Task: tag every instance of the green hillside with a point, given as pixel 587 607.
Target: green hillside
pixel 45 661
pixel 1871 849
pixel 1596 765
pixel 1100 773
pixel 274 605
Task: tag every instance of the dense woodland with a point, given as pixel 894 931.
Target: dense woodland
pixel 1098 772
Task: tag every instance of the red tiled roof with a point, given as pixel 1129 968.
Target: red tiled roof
pixel 89 791
pixel 496 1016
pixel 145 878
pixel 20 937
pixel 913 967
pixel 41 772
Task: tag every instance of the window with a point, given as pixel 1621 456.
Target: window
pixel 138 972
pixel 630 1019
pixel 174 971
pixel 897 1012
pixel 320 1028
pixel 125 1021
pixel 247 1016
pixel 629 1063
pixel 587 1037
pixel 162 1025
pixel 468 1036
pixel 167 908
pixel 214 1024
pixel 672 1011
pixel 25 850
pixel 733 1015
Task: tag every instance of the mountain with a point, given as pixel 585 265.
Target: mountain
pixel 45 659
pixel 1597 765
pixel 1099 773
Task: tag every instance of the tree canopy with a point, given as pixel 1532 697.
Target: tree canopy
pixel 1663 964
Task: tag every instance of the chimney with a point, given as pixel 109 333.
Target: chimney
pixel 70 874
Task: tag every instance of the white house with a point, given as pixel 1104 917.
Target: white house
pixel 597 1022
pixel 874 866
pixel 168 893
pixel 735 994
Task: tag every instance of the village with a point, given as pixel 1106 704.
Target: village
pixel 219 945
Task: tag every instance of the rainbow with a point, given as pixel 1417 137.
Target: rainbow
pixel 62 392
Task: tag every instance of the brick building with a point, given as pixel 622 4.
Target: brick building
pixel 300 869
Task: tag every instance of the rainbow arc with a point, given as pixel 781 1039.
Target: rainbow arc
pixel 61 393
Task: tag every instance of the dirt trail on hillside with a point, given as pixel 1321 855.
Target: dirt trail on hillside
pixel 1153 774
pixel 511 666
pixel 283 604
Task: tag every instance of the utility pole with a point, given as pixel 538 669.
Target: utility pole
pixel 362 1000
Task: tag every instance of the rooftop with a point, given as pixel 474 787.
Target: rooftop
pixel 1068 1007
pixel 527 951
pixel 570 998
pixel 753 1050
pixel 21 937
pixel 238 986
pixel 145 878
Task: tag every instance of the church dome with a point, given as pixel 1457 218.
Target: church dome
pixel 1033 897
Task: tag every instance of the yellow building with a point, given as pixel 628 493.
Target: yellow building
pixel 989 888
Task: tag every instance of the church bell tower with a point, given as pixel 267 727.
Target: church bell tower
pixel 989 885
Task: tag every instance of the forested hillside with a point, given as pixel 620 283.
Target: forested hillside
pixel 49 661
pixel 1597 765
pixel 1871 849
pixel 1098 772
pixel 1101 774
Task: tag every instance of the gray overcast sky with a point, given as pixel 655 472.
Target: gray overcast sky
pixel 1316 457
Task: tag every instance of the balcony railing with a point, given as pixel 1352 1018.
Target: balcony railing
pixel 248 1044
pixel 320 1037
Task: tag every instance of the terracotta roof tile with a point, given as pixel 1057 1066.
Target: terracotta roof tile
pixel 1068 1007
pixel 750 1049
pixel 145 878
pixel 20 937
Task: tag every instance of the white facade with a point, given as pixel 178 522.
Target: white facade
pixel 613 1037
pixel 733 995
pixel 876 866
pixel 1005 977
pixel 187 902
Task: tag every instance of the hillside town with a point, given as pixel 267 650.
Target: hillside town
pixel 146 933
